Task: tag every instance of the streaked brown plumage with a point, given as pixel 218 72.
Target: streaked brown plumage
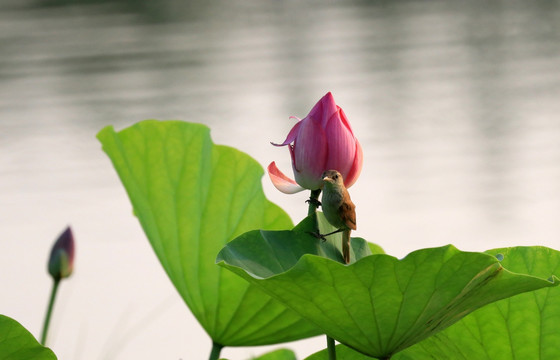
pixel 338 208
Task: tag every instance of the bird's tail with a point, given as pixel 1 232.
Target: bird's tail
pixel 346 246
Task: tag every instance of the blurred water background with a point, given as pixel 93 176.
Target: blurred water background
pixel 456 104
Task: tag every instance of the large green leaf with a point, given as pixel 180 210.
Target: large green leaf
pixel 16 343
pixel 272 252
pixel 191 198
pixel 526 326
pixel 280 354
pixel 378 305
pixel 342 353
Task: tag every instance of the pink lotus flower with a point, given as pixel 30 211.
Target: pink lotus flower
pixel 61 260
pixel 322 141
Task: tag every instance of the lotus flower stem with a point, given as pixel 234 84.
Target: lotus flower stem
pixel 313 205
pixel 216 350
pixel 54 290
pixel 313 201
pixel 331 349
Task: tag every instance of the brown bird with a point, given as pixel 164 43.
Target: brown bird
pixel 339 210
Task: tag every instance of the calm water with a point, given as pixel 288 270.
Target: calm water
pixel 457 107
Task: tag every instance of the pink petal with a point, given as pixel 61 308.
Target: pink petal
pixel 291 135
pixel 310 151
pixel 329 107
pixel 356 166
pixel 281 181
pixel 323 110
pixel 345 119
pixel 342 146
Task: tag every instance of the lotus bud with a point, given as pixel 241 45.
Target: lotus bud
pixel 322 141
pixel 61 260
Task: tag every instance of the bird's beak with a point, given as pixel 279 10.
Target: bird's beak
pixel 326 178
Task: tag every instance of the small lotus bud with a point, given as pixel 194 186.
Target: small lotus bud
pixel 61 261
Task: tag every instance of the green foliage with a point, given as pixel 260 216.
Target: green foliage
pixel 378 305
pixel 192 197
pixel 526 326
pixel 266 253
pixel 16 343
pixel 281 354
pixel 342 353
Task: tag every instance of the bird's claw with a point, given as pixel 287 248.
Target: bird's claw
pixel 314 202
pixel 318 235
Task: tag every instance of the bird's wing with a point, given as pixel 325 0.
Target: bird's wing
pixel 347 212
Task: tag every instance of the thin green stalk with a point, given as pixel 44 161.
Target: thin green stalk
pixel 216 350
pixel 54 290
pixel 313 201
pixel 331 349
pixel 313 205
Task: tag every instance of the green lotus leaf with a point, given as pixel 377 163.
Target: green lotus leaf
pixel 273 252
pixel 342 353
pixel 16 343
pixel 280 354
pixel 378 305
pixel 526 326
pixel 192 197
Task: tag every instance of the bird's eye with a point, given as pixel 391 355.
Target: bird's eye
pixel 335 177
